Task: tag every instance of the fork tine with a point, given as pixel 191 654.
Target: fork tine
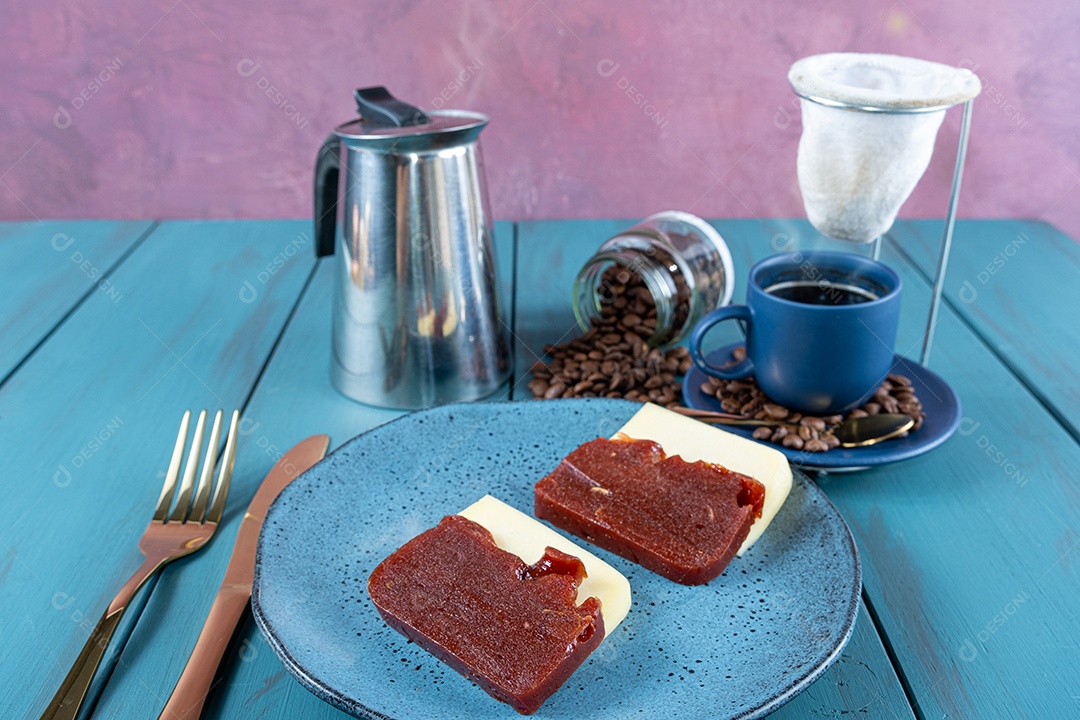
pixel 165 500
pixel 221 492
pixel 191 467
pixel 202 493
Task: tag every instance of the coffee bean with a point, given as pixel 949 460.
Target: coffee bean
pixel 763 433
pixel 554 391
pixel 913 409
pixel 744 398
pixel 793 442
pixel 776 412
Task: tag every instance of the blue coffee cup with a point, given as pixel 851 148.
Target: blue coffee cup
pixel 821 328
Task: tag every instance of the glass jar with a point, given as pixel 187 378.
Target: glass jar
pixel 674 262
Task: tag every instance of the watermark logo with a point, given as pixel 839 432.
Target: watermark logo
pixel 968 650
pixel 249 290
pixel 247 68
pixel 63 476
pixel 62 119
pixel 968 427
pixel 62 242
pixel 459 81
pixel 783 117
pixel 607 68
pixel 969 292
pixel 995 96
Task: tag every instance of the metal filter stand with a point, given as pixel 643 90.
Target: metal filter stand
pixel 950 219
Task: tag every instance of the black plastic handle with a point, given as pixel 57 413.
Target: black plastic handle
pixel 381 109
pixel 327 173
pixel 378 108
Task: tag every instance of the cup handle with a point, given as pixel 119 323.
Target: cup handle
pixel 742 368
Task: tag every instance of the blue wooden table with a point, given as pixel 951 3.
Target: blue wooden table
pixel 109 330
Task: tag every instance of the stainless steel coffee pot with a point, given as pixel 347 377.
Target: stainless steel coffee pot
pixel 400 197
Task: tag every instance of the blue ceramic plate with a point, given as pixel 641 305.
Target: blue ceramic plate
pixel 940 403
pixel 738 647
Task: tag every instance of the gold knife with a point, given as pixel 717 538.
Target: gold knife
pixel 234 595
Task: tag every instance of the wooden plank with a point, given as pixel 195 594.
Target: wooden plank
pixel 47 267
pixel 970 552
pixel 294 399
pixel 90 419
pixel 854 685
pixel 1015 282
pixel 549 256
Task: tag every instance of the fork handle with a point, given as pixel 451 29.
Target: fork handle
pixel 69 697
pixel 192 689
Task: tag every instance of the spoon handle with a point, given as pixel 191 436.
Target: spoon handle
pixel 720 418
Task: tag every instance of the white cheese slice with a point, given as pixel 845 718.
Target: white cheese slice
pixel 526 537
pixel 694 440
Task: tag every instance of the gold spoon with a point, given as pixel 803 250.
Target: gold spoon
pixel 852 433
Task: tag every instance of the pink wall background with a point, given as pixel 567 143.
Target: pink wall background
pixel 189 108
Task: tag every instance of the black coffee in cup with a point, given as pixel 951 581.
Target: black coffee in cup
pixel 818 292
pixel 820 325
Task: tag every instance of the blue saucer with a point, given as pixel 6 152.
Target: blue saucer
pixel 940 403
pixel 738 647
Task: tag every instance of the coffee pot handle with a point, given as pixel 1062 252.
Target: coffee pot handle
pixel 378 108
pixel 327 172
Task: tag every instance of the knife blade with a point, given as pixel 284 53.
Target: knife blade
pixel 233 597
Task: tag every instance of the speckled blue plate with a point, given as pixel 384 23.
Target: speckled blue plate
pixel 738 647
pixel 940 403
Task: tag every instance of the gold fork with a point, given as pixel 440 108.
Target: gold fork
pixel 193 520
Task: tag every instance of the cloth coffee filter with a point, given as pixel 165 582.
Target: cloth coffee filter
pixel 857 167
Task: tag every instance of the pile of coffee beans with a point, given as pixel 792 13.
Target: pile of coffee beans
pixel 613 358
pixel 806 432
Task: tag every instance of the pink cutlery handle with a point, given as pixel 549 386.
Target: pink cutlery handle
pixel 191 691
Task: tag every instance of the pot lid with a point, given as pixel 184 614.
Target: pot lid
pixel 385 119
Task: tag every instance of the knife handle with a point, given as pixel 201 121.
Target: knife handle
pixel 192 689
